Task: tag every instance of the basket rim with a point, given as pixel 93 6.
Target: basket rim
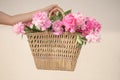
pixel 50 33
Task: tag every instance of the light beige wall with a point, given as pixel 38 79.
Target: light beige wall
pixel 99 61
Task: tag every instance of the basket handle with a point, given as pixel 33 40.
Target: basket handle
pixel 58 10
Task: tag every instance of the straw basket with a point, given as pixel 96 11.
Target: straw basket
pixel 54 52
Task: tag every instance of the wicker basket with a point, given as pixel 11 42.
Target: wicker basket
pixel 53 52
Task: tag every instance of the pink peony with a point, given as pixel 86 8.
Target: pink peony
pixel 90 26
pixel 41 21
pixel 57 27
pixel 80 19
pixel 91 22
pixel 19 28
pixel 93 37
pixel 69 22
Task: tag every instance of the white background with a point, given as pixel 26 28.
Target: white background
pixel 97 61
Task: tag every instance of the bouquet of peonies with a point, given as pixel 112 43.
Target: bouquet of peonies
pixel 86 28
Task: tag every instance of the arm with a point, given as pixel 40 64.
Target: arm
pixel 11 20
pixel 24 17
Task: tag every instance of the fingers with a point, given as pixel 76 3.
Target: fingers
pixel 51 7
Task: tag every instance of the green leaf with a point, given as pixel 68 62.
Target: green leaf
pixel 78 39
pixel 35 29
pixel 81 40
pixel 27 29
pixel 53 18
pixel 59 14
pixel 67 12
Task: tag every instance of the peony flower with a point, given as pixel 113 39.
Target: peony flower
pixel 93 37
pixel 57 27
pixel 90 26
pixel 69 22
pixel 19 28
pixel 41 21
pixel 96 27
pixel 80 19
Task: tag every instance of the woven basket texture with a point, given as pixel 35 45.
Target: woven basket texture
pixel 54 52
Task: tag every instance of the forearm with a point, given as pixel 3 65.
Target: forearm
pixel 4 18
pixel 11 20
pixel 25 17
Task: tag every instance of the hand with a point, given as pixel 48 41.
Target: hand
pixel 50 7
